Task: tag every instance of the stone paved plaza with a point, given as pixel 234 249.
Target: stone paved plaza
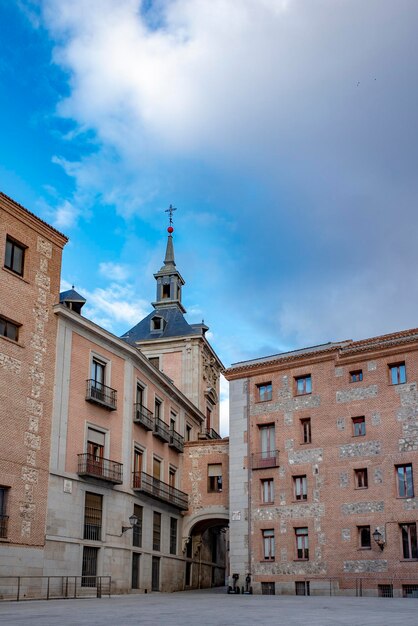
pixel 210 609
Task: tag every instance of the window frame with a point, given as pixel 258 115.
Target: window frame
pixel 173 535
pixel 156 531
pixel 269 548
pixel 306 428
pixel 16 326
pixel 362 531
pixel 356 376
pixel 399 369
pixel 411 540
pixel 306 385
pixel 408 487
pixel 359 426
pixel 214 481
pixel 300 483
pixel 361 476
pixel 15 244
pixel 302 543
pixel 137 529
pixel 267 490
pixel 264 392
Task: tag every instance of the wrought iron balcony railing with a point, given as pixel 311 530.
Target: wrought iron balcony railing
pixel 161 430
pixel 4 522
pixel 100 394
pixel 96 467
pixel 176 441
pixel 143 416
pixel 269 458
pixel 209 433
pixel 161 491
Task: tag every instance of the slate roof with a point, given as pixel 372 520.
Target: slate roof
pixel 175 326
pixel 71 296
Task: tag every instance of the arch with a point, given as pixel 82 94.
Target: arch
pixel 206 518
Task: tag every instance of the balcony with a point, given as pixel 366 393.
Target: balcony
pixel 100 394
pixel 161 430
pixel 104 469
pixel 161 491
pixel 260 460
pixel 209 433
pixel 176 441
pixel 4 522
pixel 143 416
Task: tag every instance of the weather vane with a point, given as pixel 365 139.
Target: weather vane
pixel 170 212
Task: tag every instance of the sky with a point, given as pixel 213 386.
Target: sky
pixel 284 131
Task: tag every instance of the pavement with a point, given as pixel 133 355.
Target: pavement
pixel 203 608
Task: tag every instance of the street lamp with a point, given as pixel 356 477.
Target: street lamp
pixel 378 537
pixel 133 520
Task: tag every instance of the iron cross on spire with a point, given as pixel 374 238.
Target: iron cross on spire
pixel 170 212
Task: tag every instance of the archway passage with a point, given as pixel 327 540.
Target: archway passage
pixel 206 551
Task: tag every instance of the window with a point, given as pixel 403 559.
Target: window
pixel 140 394
pixel 268 544
pixel 405 481
pixel 15 256
pixel 364 537
pixel 89 567
pixel 173 535
pixel 188 432
pixel 268 589
pixel 385 591
pixel 155 360
pixel 302 544
pixel 9 329
pixel 267 491
pixel 156 468
pixel 3 509
pixel 302 588
pixel 300 487
pixel 214 477
pixel 172 477
pixel 95 451
pixel 409 591
pixel 98 380
pixel 264 392
pixel 356 376
pixel 360 478
pixel 409 541
pixel 359 426
pixel 157 323
pixel 93 516
pixel 137 529
pixel 166 291
pixel 397 373
pixel 303 384
pixel 173 419
pixel 157 408
pixel 137 469
pixel 208 418
pixel 306 430
pixel 268 441
pixel 156 531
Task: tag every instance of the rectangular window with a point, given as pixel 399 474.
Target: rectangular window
pixel 364 537
pixel 268 544
pixel 173 420
pixel 172 477
pixel 356 376
pixel 303 384
pixel 267 491
pixel 156 531
pixel 300 487
pixel 385 591
pixel 268 589
pixel 157 408
pixel 306 430
pixel 405 483
pixel 409 591
pixel 139 395
pixel 15 256
pixel 9 329
pixel 409 541
pixel 264 392
pixel 360 478
pixel 302 544
pixel 155 360
pixel 302 588
pixel 359 426
pixel 214 477
pixel 156 468
pixel 137 529
pixel 4 518
pixel 173 535
pixel 188 432
pixel 93 516
pixel 268 441
pixel 95 451
pixel 89 567
pixel 397 373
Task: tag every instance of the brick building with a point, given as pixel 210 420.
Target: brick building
pixel 30 254
pixel 323 458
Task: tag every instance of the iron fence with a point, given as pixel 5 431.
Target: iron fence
pixel 53 587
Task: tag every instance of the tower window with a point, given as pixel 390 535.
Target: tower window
pixel 157 323
pixel 166 291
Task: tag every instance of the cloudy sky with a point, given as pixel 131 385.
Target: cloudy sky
pixel 284 131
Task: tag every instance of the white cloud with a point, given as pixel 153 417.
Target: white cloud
pixel 114 271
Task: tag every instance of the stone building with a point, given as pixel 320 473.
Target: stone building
pixel 30 254
pixel 323 458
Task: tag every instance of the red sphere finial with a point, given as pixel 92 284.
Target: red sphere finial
pixel 170 229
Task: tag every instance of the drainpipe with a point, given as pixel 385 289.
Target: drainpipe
pixel 249 475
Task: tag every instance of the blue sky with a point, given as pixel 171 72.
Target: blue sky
pixel 285 131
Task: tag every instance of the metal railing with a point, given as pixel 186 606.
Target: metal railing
pixel 212 434
pixel 105 469
pixel 176 441
pixel 161 491
pixel 260 460
pixel 143 416
pixel 4 522
pixel 101 394
pixel 161 430
pixel 53 587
